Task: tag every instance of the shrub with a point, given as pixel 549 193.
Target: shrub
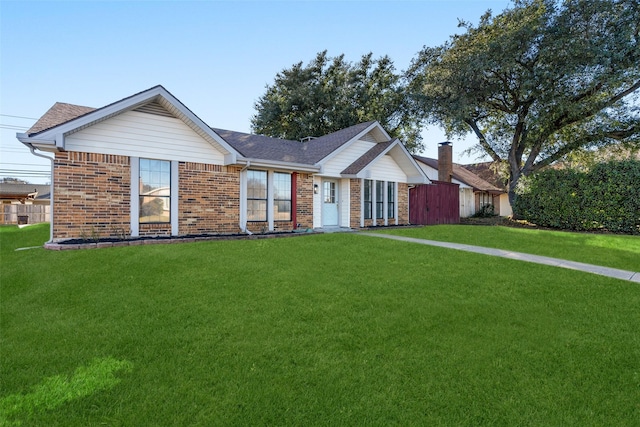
pixel 486 211
pixel 605 198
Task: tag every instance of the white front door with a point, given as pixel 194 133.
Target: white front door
pixel 329 203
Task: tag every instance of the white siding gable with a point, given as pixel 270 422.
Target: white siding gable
pixel 386 169
pixel 347 156
pixel 138 134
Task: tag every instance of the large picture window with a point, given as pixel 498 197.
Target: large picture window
pixel 155 191
pixel 281 196
pixel 256 195
pixel 379 199
pixel 367 199
pixel 391 197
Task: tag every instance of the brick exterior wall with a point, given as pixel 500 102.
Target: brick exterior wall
pixel 92 195
pixel 355 207
pixel 209 198
pixel 92 199
pixel 305 200
pixel 403 203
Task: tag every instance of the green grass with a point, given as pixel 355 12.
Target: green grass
pixel 608 250
pixel 334 329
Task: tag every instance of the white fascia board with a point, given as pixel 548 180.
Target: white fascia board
pixel 38 143
pixel 351 141
pixel 192 120
pixel 102 113
pixel 272 164
pixel 57 133
pixel 419 178
pixel 230 159
pixel 413 161
pixel 365 173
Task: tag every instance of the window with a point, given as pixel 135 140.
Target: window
pixel 329 192
pixel 256 195
pixel 379 199
pixel 367 199
pixel 155 191
pixel 391 197
pixel 281 196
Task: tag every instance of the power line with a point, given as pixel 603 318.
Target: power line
pixel 18 117
pixel 8 170
pixel 13 127
pixel 22 164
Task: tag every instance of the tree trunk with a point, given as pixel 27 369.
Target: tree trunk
pixel 514 177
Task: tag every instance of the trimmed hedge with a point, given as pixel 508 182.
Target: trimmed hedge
pixel 605 198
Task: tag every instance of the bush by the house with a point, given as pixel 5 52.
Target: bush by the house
pixel 486 211
pixel 605 198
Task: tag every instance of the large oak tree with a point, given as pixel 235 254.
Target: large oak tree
pixel 539 81
pixel 330 94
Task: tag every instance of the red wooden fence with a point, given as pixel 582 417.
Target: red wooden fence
pixel 437 203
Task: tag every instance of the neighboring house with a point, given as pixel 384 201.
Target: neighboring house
pixel 488 171
pixel 147 165
pixel 24 203
pixel 475 193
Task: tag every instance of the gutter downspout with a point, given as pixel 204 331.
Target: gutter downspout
pixel 243 217
pixel 51 159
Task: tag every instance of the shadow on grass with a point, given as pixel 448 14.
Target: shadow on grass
pixel 55 391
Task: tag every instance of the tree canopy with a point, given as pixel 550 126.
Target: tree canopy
pixel 537 82
pixel 330 94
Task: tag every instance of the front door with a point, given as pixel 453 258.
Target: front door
pixel 329 203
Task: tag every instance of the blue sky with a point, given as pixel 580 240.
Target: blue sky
pixel 215 56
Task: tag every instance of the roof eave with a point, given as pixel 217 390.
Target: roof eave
pixel 275 164
pixel 38 143
pixel 58 133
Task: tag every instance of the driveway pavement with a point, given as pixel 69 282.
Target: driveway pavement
pixel 572 265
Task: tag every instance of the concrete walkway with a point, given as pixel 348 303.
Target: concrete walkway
pixel 572 265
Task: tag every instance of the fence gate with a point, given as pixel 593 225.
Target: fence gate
pixel 437 203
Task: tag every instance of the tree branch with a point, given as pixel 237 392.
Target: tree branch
pixel 564 120
pixel 481 138
pixel 616 135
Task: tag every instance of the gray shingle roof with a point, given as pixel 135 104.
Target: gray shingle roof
pixel 249 145
pixel 321 147
pixel 264 147
pixel 56 115
pixel 309 152
pixel 366 158
pixel 463 175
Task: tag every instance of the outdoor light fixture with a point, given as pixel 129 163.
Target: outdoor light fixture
pixel 315 188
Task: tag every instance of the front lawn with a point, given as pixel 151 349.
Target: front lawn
pixel 608 250
pixel 335 329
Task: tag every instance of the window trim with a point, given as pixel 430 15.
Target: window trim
pixel 367 204
pixel 290 199
pixel 380 203
pixel 266 198
pixel 167 199
pixel 391 200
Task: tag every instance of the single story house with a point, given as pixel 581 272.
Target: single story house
pixel 24 203
pixel 475 192
pixel 146 165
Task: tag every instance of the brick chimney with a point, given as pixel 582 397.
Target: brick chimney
pixel 445 161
